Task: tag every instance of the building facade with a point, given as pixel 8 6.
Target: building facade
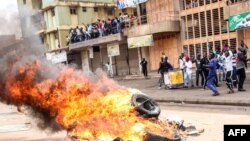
pixel 237 7
pixel 190 26
pixel 54 18
pixel 204 28
pixel 159 18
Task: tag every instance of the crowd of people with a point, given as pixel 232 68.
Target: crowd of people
pixel 99 28
pixel 222 65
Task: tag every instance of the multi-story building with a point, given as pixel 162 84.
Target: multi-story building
pixel 236 8
pixel 30 12
pixel 159 18
pixel 54 18
pixel 191 26
pixel 204 28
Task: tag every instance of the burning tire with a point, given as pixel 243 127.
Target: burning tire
pixel 154 137
pixel 145 106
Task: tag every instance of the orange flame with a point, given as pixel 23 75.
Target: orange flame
pixel 86 109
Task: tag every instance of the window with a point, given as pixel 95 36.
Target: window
pixel 209 23
pixel 24 1
pixel 204 49
pixel 53 12
pixel 196 25
pixel 216 21
pixel 217 45
pixel 95 9
pixel 203 24
pixel 191 51
pixel 233 44
pixel 110 12
pixel 84 9
pixel 124 10
pixel 73 11
pixel 185 32
pixel 223 22
pixel 197 49
pixel 190 27
pixel 96 49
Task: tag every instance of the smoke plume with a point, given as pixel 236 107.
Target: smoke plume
pixel 28 79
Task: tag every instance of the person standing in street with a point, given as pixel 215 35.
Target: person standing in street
pixel 161 71
pixel 181 62
pixel 234 61
pixel 144 65
pixel 199 71
pixel 204 63
pixel 244 50
pixel 212 66
pixel 109 69
pixel 229 71
pixel 188 73
pixel 240 65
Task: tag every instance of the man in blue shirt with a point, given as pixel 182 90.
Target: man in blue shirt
pixel 212 66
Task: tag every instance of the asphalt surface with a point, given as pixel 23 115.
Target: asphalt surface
pixel 211 118
pixel 194 95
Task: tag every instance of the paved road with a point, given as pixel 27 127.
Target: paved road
pixel 10 117
pixel 210 117
pixel 190 95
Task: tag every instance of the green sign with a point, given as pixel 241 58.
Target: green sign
pixel 141 41
pixel 239 21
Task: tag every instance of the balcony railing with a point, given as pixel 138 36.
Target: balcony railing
pixel 95 42
pixel 232 2
pixel 154 22
pixel 236 7
pixel 152 17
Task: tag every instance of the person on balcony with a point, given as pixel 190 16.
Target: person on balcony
pixel 89 27
pixel 100 27
pixel 78 34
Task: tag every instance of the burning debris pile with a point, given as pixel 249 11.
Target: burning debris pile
pixel 87 107
pixel 93 108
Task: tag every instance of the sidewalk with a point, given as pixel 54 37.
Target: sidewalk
pixel 190 95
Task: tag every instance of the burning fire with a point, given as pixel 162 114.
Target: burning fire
pixel 87 109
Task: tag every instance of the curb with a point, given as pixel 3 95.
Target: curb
pixel 208 102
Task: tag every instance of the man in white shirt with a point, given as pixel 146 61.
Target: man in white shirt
pixel 182 62
pixel 109 69
pixel 188 73
pixel 229 70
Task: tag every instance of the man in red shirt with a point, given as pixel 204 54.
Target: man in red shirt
pixel 100 27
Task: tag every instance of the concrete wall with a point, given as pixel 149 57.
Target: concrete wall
pixel 85 61
pixel 47 3
pixel 62 37
pixel 247 37
pixel 75 60
pixel 134 61
pixel 86 17
pixel 96 62
pixel 32 4
pixel 62 14
pixel 121 61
